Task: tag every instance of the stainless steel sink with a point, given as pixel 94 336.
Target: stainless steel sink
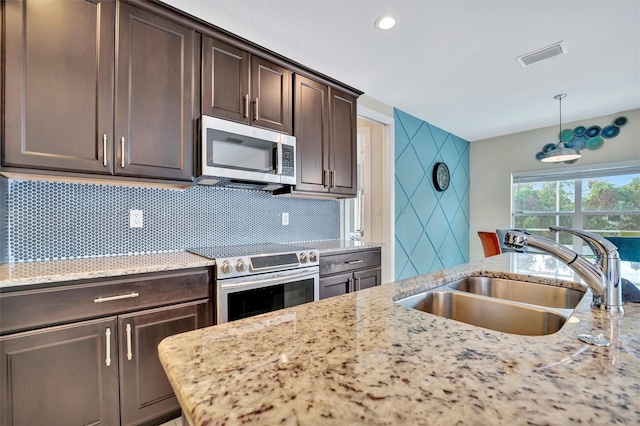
pixel 520 291
pixel 494 314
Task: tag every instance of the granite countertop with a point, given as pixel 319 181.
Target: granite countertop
pixel 331 246
pixel 362 359
pixel 14 275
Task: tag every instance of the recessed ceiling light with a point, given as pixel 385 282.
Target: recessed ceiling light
pixel 385 22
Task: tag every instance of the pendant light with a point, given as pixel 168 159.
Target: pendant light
pixel 560 153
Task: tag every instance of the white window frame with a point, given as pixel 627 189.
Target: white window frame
pixel 577 174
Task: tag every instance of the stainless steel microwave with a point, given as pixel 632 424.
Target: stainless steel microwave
pixel 236 152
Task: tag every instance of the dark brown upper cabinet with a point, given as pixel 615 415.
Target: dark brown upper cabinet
pixel 325 131
pixel 343 143
pixel 311 129
pixel 154 98
pixel 239 86
pixel 59 85
pixel 60 111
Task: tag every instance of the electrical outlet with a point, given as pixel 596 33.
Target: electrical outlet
pixel 285 218
pixel 135 218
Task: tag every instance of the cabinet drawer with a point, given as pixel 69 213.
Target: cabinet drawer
pixel 349 261
pixel 23 310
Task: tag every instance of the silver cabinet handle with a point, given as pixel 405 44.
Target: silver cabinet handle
pixel 107 334
pixel 358 280
pixel 332 182
pixel 246 106
pixel 129 354
pixel 255 106
pixel 122 152
pixel 324 178
pixel 104 150
pixel 119 297
pixel 354 262
pixel 350 284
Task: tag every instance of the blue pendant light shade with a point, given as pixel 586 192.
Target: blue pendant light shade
pixel 561 152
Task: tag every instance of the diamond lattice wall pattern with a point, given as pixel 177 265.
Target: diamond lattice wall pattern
pixel 54 220
pixel 432 227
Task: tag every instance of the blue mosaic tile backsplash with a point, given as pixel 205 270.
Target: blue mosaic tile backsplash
pixel 55 220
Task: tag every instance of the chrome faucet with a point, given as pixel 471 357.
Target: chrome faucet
pixel 603 277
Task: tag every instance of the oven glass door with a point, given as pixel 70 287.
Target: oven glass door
pixel 241 297
pixel 247 303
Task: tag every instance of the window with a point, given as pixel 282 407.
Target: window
pixel 604 200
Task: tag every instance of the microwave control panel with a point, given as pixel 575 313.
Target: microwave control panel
pixel 288 160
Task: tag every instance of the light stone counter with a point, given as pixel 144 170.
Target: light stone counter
pixel 332 246
pixel 14 275
pixel 361 359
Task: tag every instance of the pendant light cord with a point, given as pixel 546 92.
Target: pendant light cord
pixel 559 97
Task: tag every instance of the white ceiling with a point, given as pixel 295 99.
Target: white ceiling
pixel 452 62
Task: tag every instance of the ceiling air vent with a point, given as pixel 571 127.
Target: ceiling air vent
pixel 542 54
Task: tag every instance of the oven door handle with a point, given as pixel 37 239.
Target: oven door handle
pixel 247 283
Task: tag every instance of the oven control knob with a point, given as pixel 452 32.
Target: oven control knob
pixel 226 267
pixel 313 257
pixel 240 265
pixel 303 258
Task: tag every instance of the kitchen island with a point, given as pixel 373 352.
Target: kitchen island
pixel 363 359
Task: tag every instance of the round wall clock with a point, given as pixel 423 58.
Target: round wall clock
pixel 441 176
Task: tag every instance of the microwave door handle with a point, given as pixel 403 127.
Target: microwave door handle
pixel 279 158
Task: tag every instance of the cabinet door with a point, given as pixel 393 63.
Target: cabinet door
pixel 343 143
pixel 271 95
pixel 64 375
pixel 368 278
pixel 156 64
pixel 145 392
pixel 311 129
pixel 336 285
pixel 225 81
pixel 58 85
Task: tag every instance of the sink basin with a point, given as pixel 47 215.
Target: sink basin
pixel 494 314
pixel 520 291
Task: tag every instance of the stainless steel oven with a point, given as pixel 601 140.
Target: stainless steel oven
pixel 255 279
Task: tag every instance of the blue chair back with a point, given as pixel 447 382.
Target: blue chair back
pixel 628 247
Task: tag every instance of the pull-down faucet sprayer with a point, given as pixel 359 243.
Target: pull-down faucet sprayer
pixel 603 277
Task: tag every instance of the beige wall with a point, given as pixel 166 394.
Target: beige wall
pixel 373 219
pixel 494 160
pixel 375 105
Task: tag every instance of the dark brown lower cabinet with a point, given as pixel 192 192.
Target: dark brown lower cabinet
pixel 145 392
pixel 368 278
pixel 65 375
pixel 86 353
pixel 349 271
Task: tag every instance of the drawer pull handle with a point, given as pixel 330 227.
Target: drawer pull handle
pixel 353 262
pixel 120 297
pixel 108 339
pixel 129 354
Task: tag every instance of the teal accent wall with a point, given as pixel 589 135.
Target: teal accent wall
pixel 432 227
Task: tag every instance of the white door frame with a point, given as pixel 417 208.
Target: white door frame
pixel 388 190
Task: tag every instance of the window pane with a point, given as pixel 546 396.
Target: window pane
pixel 611 194
pixel 609 225
pixel 544 196
pixel 539 225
